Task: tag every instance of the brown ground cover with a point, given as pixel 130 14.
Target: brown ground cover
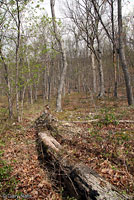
pixel 106 145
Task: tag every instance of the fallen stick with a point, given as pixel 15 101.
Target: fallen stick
pixel 95 120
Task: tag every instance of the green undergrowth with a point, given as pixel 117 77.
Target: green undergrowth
pixel 7 181
pixel 107 116
pixel 8 131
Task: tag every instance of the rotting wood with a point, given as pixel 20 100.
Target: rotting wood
pixel 79 180
pixel 49 141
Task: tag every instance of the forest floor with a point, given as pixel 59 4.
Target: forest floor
pixel 97 132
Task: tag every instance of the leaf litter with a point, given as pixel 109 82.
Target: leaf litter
pixel 107 148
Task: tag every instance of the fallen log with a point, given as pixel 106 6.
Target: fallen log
pixel 49 141
pixel 79 180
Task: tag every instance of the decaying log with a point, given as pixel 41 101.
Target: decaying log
pixel 91 186
pixel 79 180
pixel 45 122
pixel 49 141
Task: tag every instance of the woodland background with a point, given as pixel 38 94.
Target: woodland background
pixel 31 64
pixel 81 66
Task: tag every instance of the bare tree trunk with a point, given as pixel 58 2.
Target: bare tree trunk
pixel 101 77
pixel 35 92
pixel 30 86
pixel 61 84
pixel 94 72
pixel 114 49
pixel 17 61
pixel 99 53
pixel 115 75
pixel 22 102
pixel 17 88
pixel 44 85
pixel 63 59
pixel 101 74
pixel 49 88
pixel 123 58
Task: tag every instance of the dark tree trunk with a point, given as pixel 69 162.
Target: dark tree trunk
pixel 114 50
pixel 122 56
pixel 17 60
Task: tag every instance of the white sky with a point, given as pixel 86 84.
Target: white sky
pixel 128 6
pixel 58 8
pixel 59 5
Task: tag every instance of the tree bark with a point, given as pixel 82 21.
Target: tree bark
pixel 94 72
pixel 17 60
pixel 123 58
pixel 36 91
pixel 63 58
pixel 101 75
pixel 114 49
pixel 99 53
pixel 30 84
pixel 44 85
pixel 22 103
pixel 115 74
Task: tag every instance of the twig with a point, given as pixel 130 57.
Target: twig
pixel 95 120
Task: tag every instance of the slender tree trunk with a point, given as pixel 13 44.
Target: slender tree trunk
pixel 94 72
pixel 17 90
pixel 49 87
pixel 44 85
pixel 122 56
pixel 101 74
pixel 22 102
pixel 101 77
pixel 10 105
pixel 63 59
pixel 99 53
pixel 30 86
pixel 114 49
pixel 17 61
pixel 115 75
pixel 35 91
pixel 118 68
pixel 61 84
